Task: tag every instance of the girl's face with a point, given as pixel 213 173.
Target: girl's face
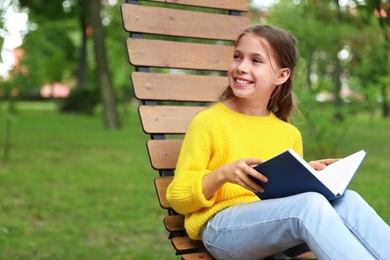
pixel 253 72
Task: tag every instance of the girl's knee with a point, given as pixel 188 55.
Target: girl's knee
pixel 352 195
pixel 313 209
pixel 351 200
pixel 314 203
pixel 313 198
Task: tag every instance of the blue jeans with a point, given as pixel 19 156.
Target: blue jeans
pixel 347 228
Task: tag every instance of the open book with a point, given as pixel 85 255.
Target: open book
pixel 288 174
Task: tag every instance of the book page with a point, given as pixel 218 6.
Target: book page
pixel 338 175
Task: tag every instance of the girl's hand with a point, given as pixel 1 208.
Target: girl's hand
pixel 238 172
pixel 321 164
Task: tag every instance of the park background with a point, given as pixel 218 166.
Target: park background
pixel 75 180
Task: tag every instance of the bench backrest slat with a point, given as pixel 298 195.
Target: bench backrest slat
pixel 177 87
pixel 184 55
pixel 167 119
pixel 238 5
pixel 184 23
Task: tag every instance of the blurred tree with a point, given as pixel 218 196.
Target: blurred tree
pixel 8 89
pixel 49 54
pixel 345 51
pixel 3 8
pixel 323 29
pixel 111 118
pixel 327 34
pixel 62 28
pixel 82 70
pixel 379 12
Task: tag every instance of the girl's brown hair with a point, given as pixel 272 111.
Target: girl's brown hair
pixel 284 50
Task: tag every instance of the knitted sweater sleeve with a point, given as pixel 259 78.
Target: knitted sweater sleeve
pixel 185 193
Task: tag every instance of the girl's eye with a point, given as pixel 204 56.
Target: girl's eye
pixel 236 57
pixel 257 61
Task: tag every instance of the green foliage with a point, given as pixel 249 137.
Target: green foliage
pixel 323 29
pixel 43 11
pixel 49 54
pixel 2 32
pixel 323 128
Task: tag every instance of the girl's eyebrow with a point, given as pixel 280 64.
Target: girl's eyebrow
pixel 252 54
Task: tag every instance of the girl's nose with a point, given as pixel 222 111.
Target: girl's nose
pixel 242 67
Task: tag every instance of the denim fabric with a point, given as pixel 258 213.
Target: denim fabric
pixel 347 228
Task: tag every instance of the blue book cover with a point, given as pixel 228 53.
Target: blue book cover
pixel 288 174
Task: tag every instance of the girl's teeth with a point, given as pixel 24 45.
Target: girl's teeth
pixel 242 81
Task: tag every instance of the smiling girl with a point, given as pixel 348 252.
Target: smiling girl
pixel 248 125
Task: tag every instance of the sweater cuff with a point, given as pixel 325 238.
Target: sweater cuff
pixel 197 190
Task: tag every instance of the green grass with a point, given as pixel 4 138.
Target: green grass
pixel 72 190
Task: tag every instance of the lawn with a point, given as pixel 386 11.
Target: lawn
pixel 73 190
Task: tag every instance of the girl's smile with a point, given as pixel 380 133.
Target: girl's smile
pixel 243 82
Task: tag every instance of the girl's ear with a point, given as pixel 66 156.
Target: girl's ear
pixel 283 76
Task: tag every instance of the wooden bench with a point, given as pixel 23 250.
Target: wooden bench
pixel 181 50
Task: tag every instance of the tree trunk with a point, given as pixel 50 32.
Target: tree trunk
pixel 338 102
pixel 81 72
pixel 385 99
pixel 111 118
pixel 10 113
pixel 384 22
pixel 385 103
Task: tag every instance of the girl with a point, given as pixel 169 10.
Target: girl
pixel 212 186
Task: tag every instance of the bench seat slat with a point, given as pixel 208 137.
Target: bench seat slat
pixel 167 119
pixel 185 244
pixel 174 223
pixel 198 256
pixel 158 86
pixel 164 153
pixel 182 23
pixel 161 184
pixel 184 55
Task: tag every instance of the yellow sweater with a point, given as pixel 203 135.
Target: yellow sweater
pixel 215 137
